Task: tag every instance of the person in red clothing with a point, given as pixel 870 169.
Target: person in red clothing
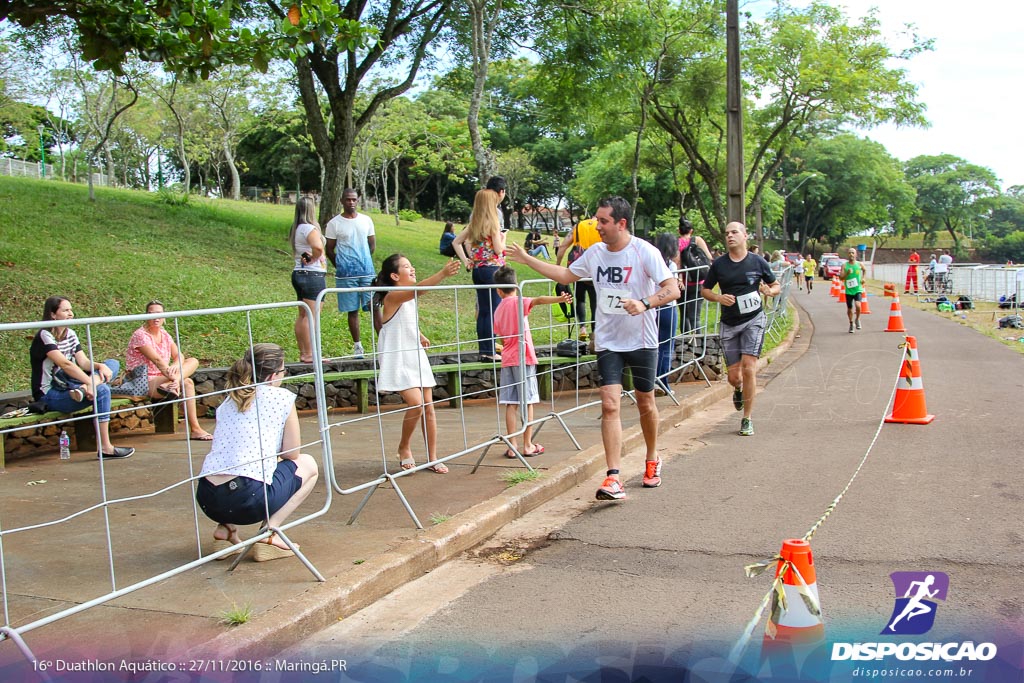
pixel 914 259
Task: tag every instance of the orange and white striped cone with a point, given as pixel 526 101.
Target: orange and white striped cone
pixel 895 317
pixel 834 289
pixel 864 310
pixel 795 617
pixel 841 298
pixel 909 405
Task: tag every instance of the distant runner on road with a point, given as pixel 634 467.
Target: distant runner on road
pixel 852 277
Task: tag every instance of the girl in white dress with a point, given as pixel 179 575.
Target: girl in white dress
pixel 403 362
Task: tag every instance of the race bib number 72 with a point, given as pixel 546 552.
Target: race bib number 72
pixel 610 301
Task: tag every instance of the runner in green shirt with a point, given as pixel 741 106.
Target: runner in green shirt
pixel 852 276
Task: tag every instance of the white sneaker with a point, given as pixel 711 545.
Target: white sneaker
pixel 357 350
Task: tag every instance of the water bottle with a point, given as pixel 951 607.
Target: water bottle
pixel 65 445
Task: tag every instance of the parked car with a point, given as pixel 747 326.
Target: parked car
pixel 830 266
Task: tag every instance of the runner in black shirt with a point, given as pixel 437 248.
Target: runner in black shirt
pixel 743 279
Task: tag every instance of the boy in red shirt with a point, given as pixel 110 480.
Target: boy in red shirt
pixel 516 378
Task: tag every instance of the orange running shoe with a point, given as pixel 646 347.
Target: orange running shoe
pixel 652 476
pixel 611 489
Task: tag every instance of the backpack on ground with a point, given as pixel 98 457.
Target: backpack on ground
pixel 570 348
pixel 1014 321
pixel 964 303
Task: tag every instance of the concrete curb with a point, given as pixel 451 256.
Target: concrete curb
pixel 344 594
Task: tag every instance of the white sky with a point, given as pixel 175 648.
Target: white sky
pixel 972 82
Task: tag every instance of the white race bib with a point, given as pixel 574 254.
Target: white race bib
pixel 610 301
pixel 748 303
pixel 852 283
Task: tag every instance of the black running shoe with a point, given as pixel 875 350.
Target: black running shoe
pixel 737 398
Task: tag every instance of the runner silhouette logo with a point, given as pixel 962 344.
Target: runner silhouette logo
pixel 914 612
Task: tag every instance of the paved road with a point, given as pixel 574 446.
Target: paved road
pixel 655 584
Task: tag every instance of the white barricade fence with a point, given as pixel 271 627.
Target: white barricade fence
pixel 26 524
pixel 981 282
pixel 453 358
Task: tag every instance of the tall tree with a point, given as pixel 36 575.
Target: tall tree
pixel 404 32
pixel 802 66
pixel 849 185
pixel 949 190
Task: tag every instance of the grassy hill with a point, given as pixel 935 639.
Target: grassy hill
pixel 112 256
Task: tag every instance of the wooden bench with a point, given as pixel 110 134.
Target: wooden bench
pixel 83 432
pixel 453 372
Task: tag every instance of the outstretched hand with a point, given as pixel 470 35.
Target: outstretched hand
pixel 565 297
pixel 450 268
pixel 516 252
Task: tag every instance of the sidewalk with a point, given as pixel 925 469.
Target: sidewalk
pixel 55 567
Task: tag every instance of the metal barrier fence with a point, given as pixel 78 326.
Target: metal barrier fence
pixel 694 334
pixel 34 169
pixel 979 281
pixel 458 350
pixel 108 502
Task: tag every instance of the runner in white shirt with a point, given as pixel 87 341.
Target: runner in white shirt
pixel 631 280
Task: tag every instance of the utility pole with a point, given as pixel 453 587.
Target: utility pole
pixel 735 203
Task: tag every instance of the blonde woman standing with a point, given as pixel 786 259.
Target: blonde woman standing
pixel 481 248
pixel 309 276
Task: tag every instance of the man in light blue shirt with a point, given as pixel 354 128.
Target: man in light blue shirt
pixel 350 246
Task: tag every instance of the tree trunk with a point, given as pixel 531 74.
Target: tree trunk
pixel 397 160
pixel 236 181
pixel 482 26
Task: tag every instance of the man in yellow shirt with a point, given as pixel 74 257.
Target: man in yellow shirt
pixel 810 270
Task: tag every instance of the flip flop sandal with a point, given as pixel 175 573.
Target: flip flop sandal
pixel 407 463
pixel 510 454
pixel 537 450
pixel 439 468
pixel 167 393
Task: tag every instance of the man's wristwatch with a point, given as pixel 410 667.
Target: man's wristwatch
pixel 646 303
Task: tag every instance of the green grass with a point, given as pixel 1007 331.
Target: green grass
pixel 519 476
pixel 236 615
pixel 438 518
pixel 112 256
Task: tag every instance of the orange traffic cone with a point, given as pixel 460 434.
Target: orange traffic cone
pixel 895 317
pixel 909 406
pixel 795 617
pixel 864 310
pixel 842 295
pixel 834 290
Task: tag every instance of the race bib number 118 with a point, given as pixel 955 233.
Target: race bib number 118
pixel 748 303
